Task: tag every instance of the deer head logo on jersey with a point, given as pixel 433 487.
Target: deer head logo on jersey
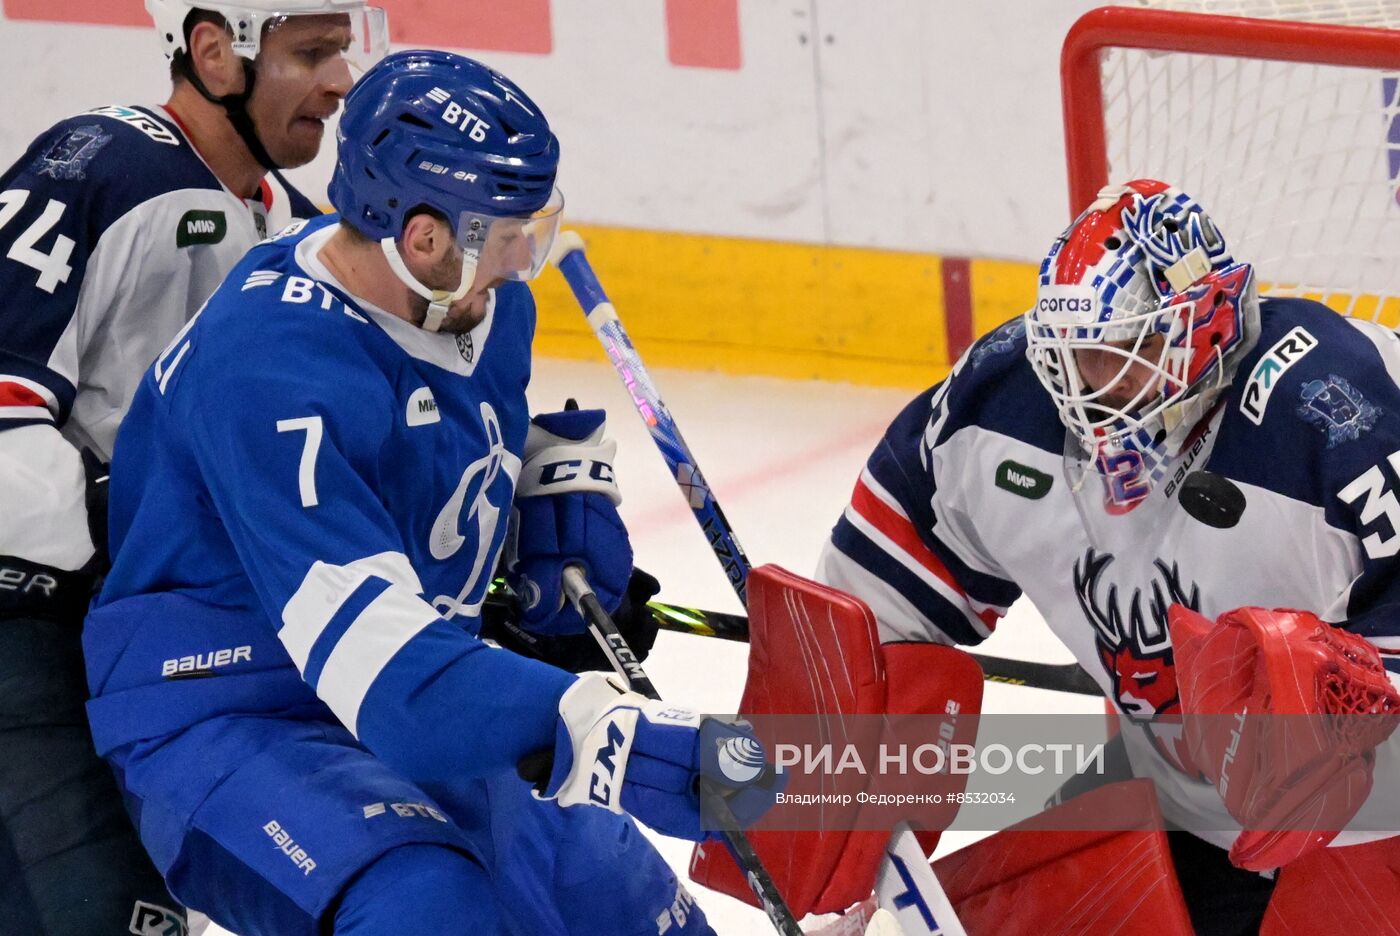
pixel 1133 642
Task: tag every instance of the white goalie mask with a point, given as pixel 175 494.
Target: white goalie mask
pixel 1140 319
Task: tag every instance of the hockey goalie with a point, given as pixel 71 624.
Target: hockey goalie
pixel 1155 457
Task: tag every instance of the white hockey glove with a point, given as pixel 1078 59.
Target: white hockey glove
pixel 565 513
pixel 627 753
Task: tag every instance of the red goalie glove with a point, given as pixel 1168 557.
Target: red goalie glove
pixel 1293 782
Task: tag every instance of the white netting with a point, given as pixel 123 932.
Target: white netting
pixel 1297 163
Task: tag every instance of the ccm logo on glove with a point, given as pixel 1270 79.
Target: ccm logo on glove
pixel 605 766
pixel 563 471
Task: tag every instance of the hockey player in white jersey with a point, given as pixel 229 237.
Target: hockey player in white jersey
pixel 1149 448
pixel 310 496
pixel 115 226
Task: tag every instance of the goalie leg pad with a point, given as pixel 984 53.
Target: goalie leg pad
pixel 812 650
pixel 815 649
pixel 1031 879
pixel 1354 889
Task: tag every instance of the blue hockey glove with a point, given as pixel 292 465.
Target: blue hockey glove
pixel 566 512
pixel 626 753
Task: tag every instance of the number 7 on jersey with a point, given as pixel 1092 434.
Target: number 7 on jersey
pixel 306 473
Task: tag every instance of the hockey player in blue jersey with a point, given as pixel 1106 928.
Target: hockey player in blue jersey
pixel 309 499
pixel 115 226
pixel 1151 443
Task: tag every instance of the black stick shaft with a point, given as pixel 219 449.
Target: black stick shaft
pixel 1057 677
pixel 625 662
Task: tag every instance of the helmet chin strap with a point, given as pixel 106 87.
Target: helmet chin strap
pixel 236 107
pixel 439 300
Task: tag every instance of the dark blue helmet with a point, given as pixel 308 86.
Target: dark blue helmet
pixel 428 128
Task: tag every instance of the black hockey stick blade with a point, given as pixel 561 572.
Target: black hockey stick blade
pixel 1057 677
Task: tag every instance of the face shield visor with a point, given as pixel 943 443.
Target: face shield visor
pixel 508 248
pixel 494 249
pixel 365 29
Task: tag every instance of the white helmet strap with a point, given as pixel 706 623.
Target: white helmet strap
pixel 439 300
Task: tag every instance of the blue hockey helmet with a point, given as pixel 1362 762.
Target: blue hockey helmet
pixel 429 129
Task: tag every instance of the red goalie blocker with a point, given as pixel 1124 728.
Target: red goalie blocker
pixel 815 650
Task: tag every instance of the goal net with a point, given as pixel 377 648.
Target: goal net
pixel 1281 117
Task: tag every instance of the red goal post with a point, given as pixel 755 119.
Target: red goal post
pixel 1287 131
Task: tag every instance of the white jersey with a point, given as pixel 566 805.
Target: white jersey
pixel 968 503
pixel 113 231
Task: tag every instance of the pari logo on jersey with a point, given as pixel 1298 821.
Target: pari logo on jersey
pixel 1289 350
pixel 484 493
pixel 141 121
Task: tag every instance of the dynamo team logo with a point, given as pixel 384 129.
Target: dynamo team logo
pixel 740 759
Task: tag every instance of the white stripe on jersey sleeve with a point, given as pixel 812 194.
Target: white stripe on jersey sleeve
pixel 888 499
pixel 899 621
pixel 26 412
pixel 898 553
pixel 325 588
pixel 387 623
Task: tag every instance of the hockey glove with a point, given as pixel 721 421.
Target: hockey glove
pixel 566 512
pixel 97 474
pixel 626 753
pixel 1283 714
pixel 577 653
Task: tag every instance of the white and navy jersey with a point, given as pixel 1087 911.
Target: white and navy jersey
pixel 309 496
pixel 967 503
pixel 113 231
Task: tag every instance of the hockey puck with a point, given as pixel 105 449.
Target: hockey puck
pixel 1212 499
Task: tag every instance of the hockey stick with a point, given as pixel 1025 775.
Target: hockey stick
pixel 1053 677
pixel 1056 677
pixel 569 257
pixel 627 666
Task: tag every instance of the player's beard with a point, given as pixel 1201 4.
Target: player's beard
pixel 464 314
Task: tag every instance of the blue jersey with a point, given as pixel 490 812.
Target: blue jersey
pixel 308 499
pixel 113 231
pixel 970 501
